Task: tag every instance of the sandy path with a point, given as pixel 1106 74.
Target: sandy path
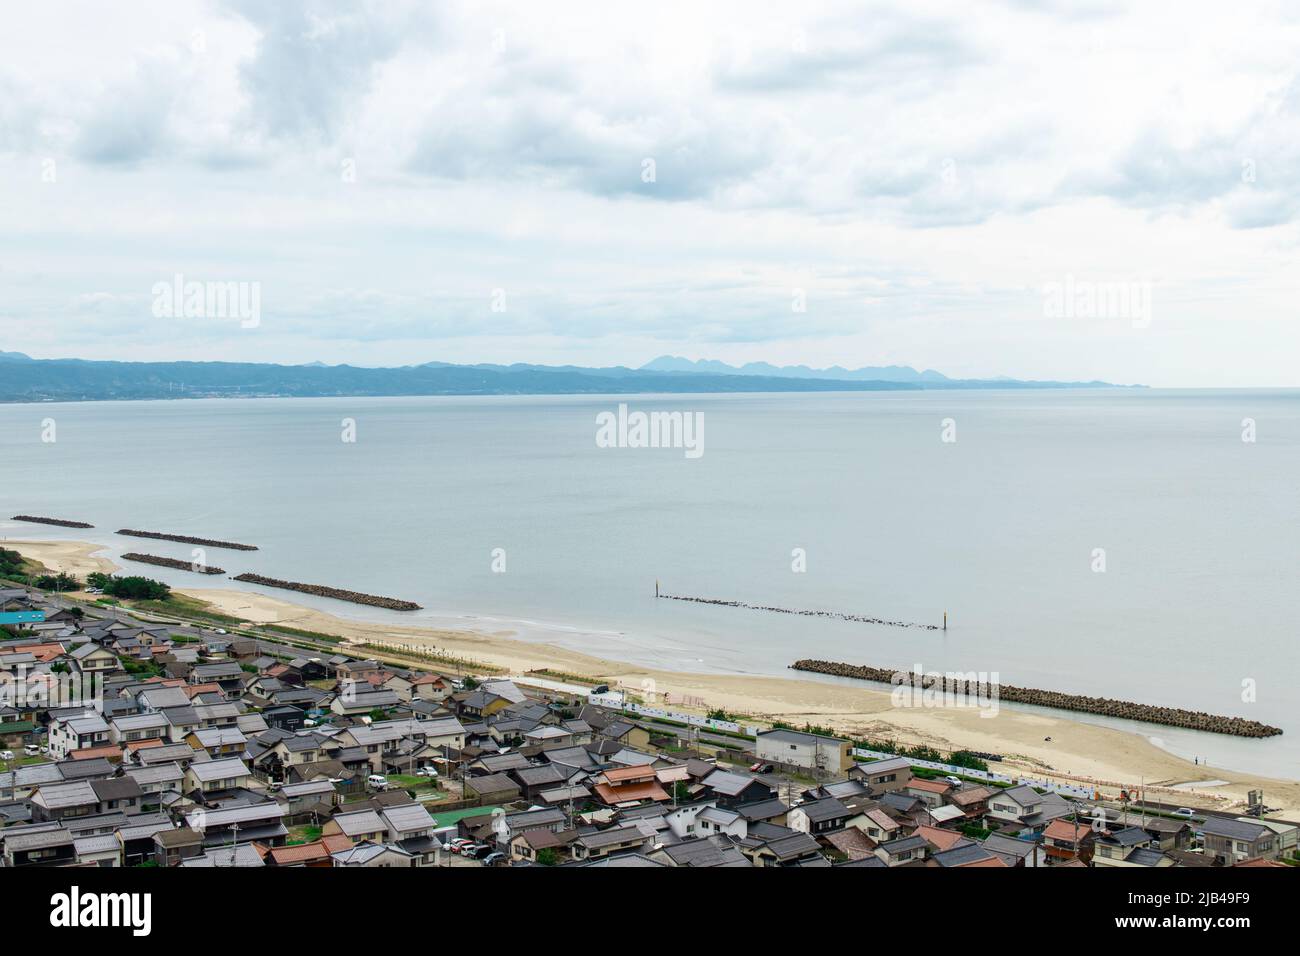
pixel 1077 750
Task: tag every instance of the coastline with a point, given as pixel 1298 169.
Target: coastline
pixel 1078 751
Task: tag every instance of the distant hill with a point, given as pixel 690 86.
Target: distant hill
pixel 887 373
pixel 53 380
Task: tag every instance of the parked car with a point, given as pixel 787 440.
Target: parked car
pixel 477 851
pixel 1183 812
pixel 456 846
pixel 761 768
pixel 377 781
pixel 493 858
pixel 426 772
pixel 955 781
pixel 6 755
pixel 31 750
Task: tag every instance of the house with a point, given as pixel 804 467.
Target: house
pixel 735 789
pixel 356 701
pixel 1233 841
pixel 38 845
pixel 606 842
pixel 493 788
pixel 1014 851
pixel 59 801
pixel 213 776
pixel 902 850
pixel 1068 840
pixel 133 727
pixel 967 855
pixel 812 751
pixel 358 826
pixel 1114 846
pixel 624 785
pixel 527 845
pixel 93 659
pixel 174 846
pixel 218 742
pixel 819 817
pixel 782 847
pixel 317 853
pixel 930 792
pixel 1015 804
pixel 67 734
pixel 371 854
pixel 257 822
pixel 883 776
pixel 122 794
pixel 972 800
pixel 876 824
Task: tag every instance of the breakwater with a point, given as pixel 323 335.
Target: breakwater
pixel 171 563
pixel 836 615
pixel 338 594
pixel 186 539
pixel 1104 706
pixel 58 521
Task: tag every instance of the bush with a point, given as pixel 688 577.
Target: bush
pixel 132 587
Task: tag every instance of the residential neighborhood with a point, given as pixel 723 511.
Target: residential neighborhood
pixel 205 749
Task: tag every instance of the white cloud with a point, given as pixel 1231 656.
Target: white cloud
pixel 917 173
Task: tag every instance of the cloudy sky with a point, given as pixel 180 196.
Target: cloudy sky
pixel 859 184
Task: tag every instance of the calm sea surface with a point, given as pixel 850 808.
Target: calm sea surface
pixel 999 528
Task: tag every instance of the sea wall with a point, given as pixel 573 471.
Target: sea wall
pixel 338 594
pixel 186 539
pixel 58 521
pixel 171 563
pixel 836 615
pixel 1105 706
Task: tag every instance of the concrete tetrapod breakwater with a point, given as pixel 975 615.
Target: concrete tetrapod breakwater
pixel 58 521
pixel 186 539
pixel 1105 706
pixel 836 615
pixel 171 563
pixel 338 594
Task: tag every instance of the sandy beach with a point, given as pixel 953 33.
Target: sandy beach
pixel 1078 752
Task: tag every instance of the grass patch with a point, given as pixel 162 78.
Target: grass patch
pixel 183 604
pixel 299 632
pixel 303 834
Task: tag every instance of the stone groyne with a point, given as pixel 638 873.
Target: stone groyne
pixel 1105 706
pixel 186 539
pixel 835 615
pixel 338 594
pixel 171 563
pixel 58 521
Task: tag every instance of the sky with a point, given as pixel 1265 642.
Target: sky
pixel 1044 190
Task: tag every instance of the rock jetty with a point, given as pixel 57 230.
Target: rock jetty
pixel 186 539
pixel 1105 706
pixel 171 563
pixel 320 590
pixel 836 615
pixel 58 521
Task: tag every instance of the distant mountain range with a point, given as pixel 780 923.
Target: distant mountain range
pixel 24 379
pixel 886 373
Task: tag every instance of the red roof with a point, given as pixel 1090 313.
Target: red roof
pixel 1066 830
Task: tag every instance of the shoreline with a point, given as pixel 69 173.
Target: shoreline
pixel 1078 752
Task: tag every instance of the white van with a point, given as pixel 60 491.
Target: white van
pixel 32 750
pixel 377 781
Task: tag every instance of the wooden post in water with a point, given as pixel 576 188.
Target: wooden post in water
pixel 945 620
pixel 656 587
